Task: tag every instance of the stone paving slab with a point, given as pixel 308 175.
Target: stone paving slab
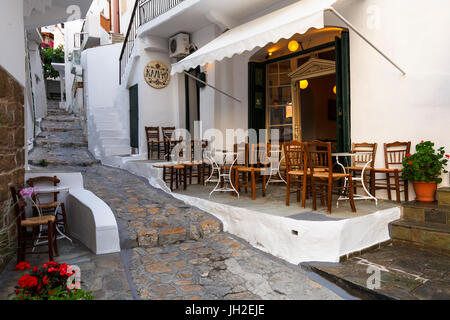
pixel 150 216
pixel 406 273
pixel 218 267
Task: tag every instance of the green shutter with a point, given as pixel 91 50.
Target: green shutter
pixel 134 116
pixel 343 92
pixel 256 96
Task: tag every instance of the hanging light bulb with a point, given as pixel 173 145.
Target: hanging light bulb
pixel 293 46
pixel 334 90
pixel 304 84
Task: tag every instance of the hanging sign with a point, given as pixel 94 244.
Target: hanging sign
pixel 157 74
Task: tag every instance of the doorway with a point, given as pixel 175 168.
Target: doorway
pixel 314 101
pixel 192 89
pixel 134 118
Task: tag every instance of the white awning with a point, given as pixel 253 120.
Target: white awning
pixel 280 24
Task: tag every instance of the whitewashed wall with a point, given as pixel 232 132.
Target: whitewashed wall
pixel 70 29
pixel 386 106
pixel 126 9
pixel 101 68
pixel 12 55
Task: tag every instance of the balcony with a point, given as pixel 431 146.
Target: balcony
pixel 143 12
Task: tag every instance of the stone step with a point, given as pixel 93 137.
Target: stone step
pixel 69 118
pixel 61 157
pixel 60 144
pixel 112 134
pixel 428 236
pixel 443 196
pixel 115 141
pixel 426 212
pixel 116 150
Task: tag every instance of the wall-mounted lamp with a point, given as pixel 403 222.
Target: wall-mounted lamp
pixel 303 84
pixel 334 89
pixel 293 46
pixel 289 110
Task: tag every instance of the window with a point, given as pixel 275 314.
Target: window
pixel 280 98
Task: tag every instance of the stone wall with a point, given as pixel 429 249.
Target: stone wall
pixel 12 150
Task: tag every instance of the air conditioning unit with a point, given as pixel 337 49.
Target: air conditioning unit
pixel 179 46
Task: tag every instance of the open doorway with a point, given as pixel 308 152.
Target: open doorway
pixel 192 88
pixel 307 87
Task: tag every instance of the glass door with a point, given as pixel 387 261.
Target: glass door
pixel 279 96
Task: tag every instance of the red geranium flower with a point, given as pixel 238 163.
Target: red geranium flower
pixel 447 155
pixel 28 281
pixel 35 269
pixel 422 141
pixel 45 280
pixel 22 266
pixel 410 163
pixel 50 264
pixel 408 155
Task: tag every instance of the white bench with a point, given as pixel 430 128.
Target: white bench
pixel 90 219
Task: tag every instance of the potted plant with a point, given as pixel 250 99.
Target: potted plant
pixel 54 281
pixel 424 169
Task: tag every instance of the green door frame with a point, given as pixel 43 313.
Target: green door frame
pixel 134 116
pixel 343 92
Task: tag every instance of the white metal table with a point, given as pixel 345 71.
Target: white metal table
pixel 368 195
pixel 224 166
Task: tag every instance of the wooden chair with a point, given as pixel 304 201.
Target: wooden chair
pixel 365 152
pixel 50 207
pixel 322 176
pixel 175 173
pixel 154 141
pixel 24 238
pixel 169 141
pixel 195 167
pixel 296 169
pixel 394 153
pixel 258 163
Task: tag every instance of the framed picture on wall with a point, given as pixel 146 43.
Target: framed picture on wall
pixel 332 113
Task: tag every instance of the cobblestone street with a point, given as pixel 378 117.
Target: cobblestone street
pixel 169 249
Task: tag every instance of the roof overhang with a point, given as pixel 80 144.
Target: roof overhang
pixel 39 13
pixel 280 24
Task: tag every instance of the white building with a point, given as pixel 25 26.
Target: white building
pixel 381 104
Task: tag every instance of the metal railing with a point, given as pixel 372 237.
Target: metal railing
pixel 143 12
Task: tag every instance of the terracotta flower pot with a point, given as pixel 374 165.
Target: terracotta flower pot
pixel 425 191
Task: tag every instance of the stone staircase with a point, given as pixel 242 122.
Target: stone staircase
pixel 108 137
pixel 61 141
pixel 117 38
pixel 425 225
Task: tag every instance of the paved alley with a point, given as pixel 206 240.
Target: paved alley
pixel 169 250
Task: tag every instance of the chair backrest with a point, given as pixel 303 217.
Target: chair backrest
pixel 395 152
pixel 152 133
pixel 295 156
pixel 319 156
pixel 19 204
pixel 365 152
pixel 259 154
pixel 242 153
pixel 42 180
pixel 168 132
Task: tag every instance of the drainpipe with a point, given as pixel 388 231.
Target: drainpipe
pixel 116 16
